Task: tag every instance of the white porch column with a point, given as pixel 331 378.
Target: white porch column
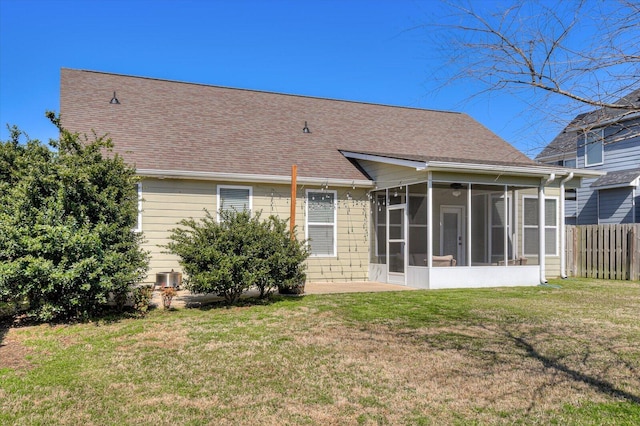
pixel 429 220
pixel 505 225
pixel 469 240
pixel 541 232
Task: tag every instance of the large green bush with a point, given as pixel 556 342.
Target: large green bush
pixel 67 215
pixel 230 256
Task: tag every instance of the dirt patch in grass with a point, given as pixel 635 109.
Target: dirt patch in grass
pixel 13 353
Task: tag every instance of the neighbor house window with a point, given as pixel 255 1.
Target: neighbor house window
pixel 571 162
pixel 594 148
pixel 321 222
pixel 530 225
pixel 234 198
pixel 138 227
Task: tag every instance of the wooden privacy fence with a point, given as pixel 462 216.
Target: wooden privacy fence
pixel 604 251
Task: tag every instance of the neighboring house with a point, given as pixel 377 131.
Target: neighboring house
pixel 607 140
pixel 429 199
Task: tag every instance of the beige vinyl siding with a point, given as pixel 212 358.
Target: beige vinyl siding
pixel 167 201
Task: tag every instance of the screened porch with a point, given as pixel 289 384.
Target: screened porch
pixel 443 234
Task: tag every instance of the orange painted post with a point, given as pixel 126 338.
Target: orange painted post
pixel 292 220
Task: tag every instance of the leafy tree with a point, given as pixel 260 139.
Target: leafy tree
pixel 230 256
pixel 66 225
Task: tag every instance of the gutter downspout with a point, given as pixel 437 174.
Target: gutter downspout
pixel 563 236
pixel 542 226
pixel 429 222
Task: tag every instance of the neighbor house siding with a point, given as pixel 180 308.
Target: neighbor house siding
pixel 621 152
pixel 616 205
pixel 587 200
pixel 167 201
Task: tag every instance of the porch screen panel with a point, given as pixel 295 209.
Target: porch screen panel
pixel 321 222
pixel 450 246
pixel 379 242
pixel 497 229
pixel 396 248
pixel 479 253
pixel 396 257
pixel 418 225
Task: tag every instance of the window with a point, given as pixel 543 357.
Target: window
pixel 530 225
pixel 234 198
pixel 571 162
pixel 138 227
pixel 321 222
pixel 594 148
pixel 570 194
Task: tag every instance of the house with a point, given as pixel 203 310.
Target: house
pixel 424 198
pixel 608 140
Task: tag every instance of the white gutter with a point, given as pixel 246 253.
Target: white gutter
pixel 252 178
pixel 563 240
pixel 539 171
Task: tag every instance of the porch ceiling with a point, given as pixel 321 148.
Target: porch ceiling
pixel 422 163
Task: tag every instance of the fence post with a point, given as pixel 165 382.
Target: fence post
pixel 568 254
pixel 634 259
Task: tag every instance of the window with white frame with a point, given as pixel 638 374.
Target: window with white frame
pixel 138 227
pixel 321 222
pixel 530 226
pixel 234 198
pixel 594 148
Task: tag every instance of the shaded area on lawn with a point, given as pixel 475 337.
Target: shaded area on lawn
pixel 601 385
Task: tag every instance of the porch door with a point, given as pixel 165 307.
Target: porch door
pixel 396 244
pixel 452 232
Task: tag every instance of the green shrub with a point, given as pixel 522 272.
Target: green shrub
pixel 229 257
pixel 141 298
pixel 66 220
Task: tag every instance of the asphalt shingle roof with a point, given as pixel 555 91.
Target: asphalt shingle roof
pixel 169 125
pixel 618 178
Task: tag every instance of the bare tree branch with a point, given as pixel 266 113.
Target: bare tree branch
pixel 587 52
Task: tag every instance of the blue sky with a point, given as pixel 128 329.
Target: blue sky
pixel 356 50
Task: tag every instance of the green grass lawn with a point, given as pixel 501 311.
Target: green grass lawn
pixel 539 355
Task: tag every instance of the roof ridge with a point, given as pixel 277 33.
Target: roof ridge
pixel 265 91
